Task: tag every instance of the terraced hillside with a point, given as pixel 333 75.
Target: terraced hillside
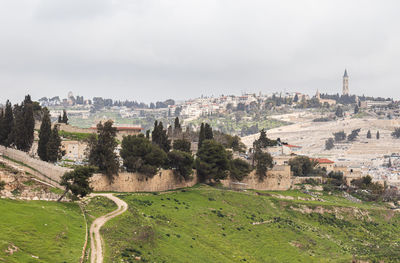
pixel 205 224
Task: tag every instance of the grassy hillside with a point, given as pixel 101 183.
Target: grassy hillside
pixel 53 232
pixel 205 224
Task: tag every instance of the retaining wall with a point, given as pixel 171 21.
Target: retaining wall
pixel 44 170
pixel 134 182
pixel 279 178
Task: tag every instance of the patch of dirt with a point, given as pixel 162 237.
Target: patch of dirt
pixel 296 244
pixel 283 197
pixel 22 185
pixel 11 249
pixel 339 212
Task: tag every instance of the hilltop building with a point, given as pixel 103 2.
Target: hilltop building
pixel 345 83
pixel 324 101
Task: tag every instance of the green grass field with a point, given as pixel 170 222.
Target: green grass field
pixel 53 232
pixel 204 224
pixel 99 206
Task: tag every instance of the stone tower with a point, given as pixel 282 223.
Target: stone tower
pixel 345 83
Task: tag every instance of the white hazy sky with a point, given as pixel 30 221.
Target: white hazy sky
pixel 149 50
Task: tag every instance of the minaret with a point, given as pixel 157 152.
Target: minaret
pixel 345 83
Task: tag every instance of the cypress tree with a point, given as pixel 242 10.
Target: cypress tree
pixel 356 109
pixel 177 125
pixel 54 152
pixel 44 136
pixel 160 137
pixel 59 119
pixel 16 137
pixel 22 132
pixel 208 133
pixel 369 134
pixel 29 126
pixel 155 133
pixel 65 117
pixel 202 135
pixel 378 136
pixel 7 124
pixel 1 126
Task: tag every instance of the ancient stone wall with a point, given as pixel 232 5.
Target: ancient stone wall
pixel 134 182
pixel 45 171
pixel 279 178
pixel 302 180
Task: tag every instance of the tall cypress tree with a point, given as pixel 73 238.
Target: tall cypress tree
pixel 54 152
pixel 17 135
pixel 208 133
pixel 29 125
pixel 202 135
pixel 22 133
pixel 65 117
pixel 155 133
pixel 44 136
pixel 159 136
pixel 1 126
pixel 7 124
pixel 177 125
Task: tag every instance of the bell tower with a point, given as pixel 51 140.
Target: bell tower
pixel 345 83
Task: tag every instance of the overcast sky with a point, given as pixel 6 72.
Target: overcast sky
pixel 150 50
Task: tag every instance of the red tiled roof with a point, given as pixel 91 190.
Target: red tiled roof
pixel 323 161
pixel 292 146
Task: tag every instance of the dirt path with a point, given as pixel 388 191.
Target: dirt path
pixel 96 255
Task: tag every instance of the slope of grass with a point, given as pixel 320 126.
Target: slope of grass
pixel 210 225
pixel 53 232
pixel 98 206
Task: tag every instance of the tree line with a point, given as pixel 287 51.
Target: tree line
pixel 17 124
pixel 147 154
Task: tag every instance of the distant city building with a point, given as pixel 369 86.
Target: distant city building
pixel 345 83
pixel 324 101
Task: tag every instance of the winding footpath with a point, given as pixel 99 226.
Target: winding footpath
pixel 96 255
